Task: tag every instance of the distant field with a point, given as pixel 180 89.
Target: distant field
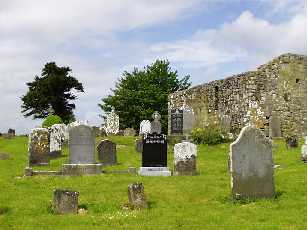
pixel 188 202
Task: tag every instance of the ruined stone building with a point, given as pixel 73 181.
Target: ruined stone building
pixel 272 98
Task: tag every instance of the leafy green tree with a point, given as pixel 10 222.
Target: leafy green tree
pixel 139 93
pixel 51 120
pixel 51 91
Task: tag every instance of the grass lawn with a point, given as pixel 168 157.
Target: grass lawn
pixel 187 202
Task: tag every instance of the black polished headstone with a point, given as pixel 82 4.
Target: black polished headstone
pixel 176 121
pixel 154 150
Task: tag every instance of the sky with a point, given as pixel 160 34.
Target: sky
pixel 100 39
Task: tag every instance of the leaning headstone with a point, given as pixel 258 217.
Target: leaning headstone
pixel 65 201
pixel 176 121
pixel 129 132
pixel 154 156
pixel 185 154
pixel 251 165
pixel 57 137
pixel 155 124
pixel 139 145
pixel 136 196
pixel 112 123
pixel 81 152
pixel 145 127
pixel 304 150
pixel 39 147
pixel 107 152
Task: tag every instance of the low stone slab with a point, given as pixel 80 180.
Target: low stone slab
pixel 4 156
pixel 154 171
pixel 65 201
pixel 136 196
pixel 251 165
pixel 81 169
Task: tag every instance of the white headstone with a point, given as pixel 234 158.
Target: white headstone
pixel 145 127
pixel 251 165
pixel 304 150
pixel 185 154
pixel 57 137
pixel 112 123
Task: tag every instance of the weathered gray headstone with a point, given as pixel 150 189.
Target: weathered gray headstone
pixel 304 150
pixel 188 119
pixel 112 123
pixel 129 132
pixel 251 165
pixel 57 137
pixel 139 145
pixel 107 152
pixel 65 201
pixel 176 121
pixel 136 196
pixel 155 124
pixel 275 130
pixel 185 155
pixel 39 147
pixel 81 145
pixel 145 127
pixel 11 133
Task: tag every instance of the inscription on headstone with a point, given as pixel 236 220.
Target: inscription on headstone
pixel 176 121
pixel 251 165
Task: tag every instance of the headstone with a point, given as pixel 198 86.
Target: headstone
pixel 4 156
pixel 139 145
pixel 57 137
pixel 129 132
pixel 136 196
pixel 11 133
pixel 112 123
pixel 65 201
pixel 185 154
pixel 39 147
pixel 274 124
pixel 251 165
pixel 292 142
pixel 145 127
pixel 81 152
pixel 304 150
pixel 188 119
pixel 155 124
pixel 176 121
pixel 107 152
pixel 154 156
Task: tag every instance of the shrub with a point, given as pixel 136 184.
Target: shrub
pixel 210 135
pixel 51 120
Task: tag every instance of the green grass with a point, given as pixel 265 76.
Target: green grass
pixel 187 202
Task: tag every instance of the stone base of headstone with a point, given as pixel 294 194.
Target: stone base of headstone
pixel 186 167
pixel 55 154
pixel 132 170
pixel 139 145
pixel 39 163
pixel 154 171
pixel 136 196
pixel 65 201
pixel 81 169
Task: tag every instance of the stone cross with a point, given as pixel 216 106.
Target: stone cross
pixel 112 123
pixel 39 147
pixel 81 145
pixel 155 124
pixel 251 165
pixel 107 152
pixel 185 154
pixel 145 127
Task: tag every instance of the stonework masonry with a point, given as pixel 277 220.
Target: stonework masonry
pixel 272 98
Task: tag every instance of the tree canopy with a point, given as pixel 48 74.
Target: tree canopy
pixel 51 91
pixel 138 94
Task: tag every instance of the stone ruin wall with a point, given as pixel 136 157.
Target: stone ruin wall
pixel 272 98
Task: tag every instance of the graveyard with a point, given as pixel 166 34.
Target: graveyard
pixel 202 201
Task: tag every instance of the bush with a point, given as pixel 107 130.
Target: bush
pixel 51 120
pixel 210 135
